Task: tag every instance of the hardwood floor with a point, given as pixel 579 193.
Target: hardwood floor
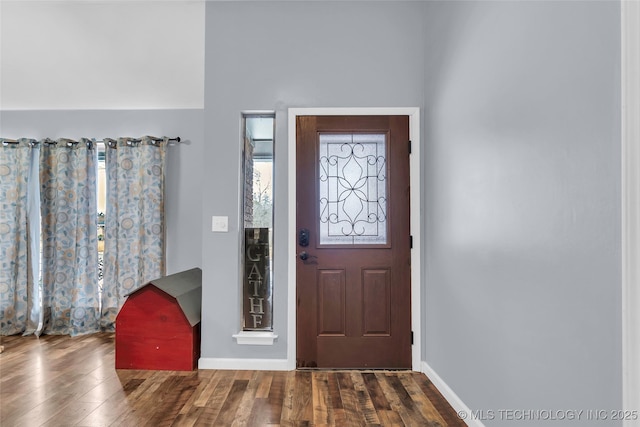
pixel 63 381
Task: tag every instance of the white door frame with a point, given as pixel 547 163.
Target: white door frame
pixel 414 165
pixel 630 47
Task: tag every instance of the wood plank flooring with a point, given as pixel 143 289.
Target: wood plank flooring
pixel 63 381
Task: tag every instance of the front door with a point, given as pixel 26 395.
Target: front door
pixel 353 266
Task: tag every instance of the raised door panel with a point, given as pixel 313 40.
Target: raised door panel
pixel 376 302
pixel 331 302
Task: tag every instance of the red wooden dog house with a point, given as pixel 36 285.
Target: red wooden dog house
pixel 158 327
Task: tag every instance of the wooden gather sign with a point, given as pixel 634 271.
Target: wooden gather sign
pixel 257 281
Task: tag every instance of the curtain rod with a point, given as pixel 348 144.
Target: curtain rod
pixel 72 142
pixel 176 139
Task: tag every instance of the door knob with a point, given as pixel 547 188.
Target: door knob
pixel 305 256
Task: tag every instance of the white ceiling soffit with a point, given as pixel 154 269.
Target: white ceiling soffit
pixel 102 54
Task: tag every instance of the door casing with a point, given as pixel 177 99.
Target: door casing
pixel 415 226
pixel 630 47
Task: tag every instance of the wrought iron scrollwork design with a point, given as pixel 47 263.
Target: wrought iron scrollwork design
pixel 353 202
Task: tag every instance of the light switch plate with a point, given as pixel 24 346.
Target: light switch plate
pixel 220 224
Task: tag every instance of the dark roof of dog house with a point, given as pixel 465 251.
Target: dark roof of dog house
pixel 186 288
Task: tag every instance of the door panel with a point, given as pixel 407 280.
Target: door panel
pixel 331 302
pixel 353 282
pixel 376 302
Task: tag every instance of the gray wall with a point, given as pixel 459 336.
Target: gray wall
pixel 272 56
pixel 522 190
pixel 185 163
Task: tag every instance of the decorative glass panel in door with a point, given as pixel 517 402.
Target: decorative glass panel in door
pixel 353 189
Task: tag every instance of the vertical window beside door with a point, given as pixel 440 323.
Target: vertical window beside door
pixel 257 210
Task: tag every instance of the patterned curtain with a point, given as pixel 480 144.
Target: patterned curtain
pixel 69 236
pixel 134 250
pixel 16 279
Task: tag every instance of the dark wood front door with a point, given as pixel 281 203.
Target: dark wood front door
pixel 353 266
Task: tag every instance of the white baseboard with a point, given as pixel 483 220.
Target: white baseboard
pixel 245 364
pixel 451 397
